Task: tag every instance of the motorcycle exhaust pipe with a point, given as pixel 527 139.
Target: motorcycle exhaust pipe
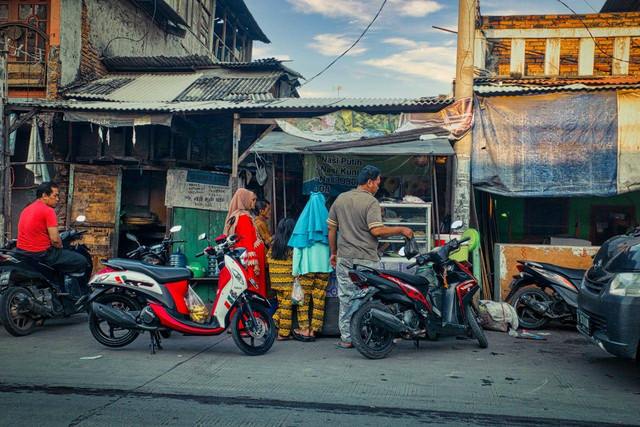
pixel 36 307
pixel 114 316
pixel 389 321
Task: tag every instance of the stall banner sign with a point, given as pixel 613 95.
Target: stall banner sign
pixel 333 174
pixel 197 190
pixel 342 125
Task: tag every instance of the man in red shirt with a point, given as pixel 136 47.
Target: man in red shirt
pixel 38 233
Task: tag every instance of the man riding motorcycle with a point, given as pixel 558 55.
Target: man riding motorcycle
pixel 38 234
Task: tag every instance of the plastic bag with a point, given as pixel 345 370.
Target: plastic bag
pixel 297 296
pixel 197 310
pixel 411 248
pixel 498 316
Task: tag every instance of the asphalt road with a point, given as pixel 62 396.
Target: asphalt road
pixel 564 380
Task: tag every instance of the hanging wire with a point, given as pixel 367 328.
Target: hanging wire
pixel 350 47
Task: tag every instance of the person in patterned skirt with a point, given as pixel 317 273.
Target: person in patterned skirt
pixel 280 258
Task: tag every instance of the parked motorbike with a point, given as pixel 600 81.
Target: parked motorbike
pixel 157 254
pixel 31 291
pixel 391 304
pixel 534 305
pixel 132 297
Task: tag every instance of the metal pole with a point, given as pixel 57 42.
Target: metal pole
pixel 273 191
pixel 461 208
pixel 284 188
pixel 234 154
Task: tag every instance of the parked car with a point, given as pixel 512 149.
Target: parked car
pixel 609 300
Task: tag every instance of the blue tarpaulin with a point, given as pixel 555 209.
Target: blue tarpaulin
pixel 554 145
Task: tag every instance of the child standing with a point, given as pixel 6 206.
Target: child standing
pixel 280 258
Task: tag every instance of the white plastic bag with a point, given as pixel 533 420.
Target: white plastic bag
pixel 197 310
pixel 297 296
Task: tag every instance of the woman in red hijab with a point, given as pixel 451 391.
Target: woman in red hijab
pixel 240 221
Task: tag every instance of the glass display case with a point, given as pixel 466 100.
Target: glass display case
pixel 416 216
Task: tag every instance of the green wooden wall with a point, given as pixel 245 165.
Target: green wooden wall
pixel 195 222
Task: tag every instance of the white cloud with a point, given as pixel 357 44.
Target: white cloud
pixel 416 8
pixel 264 51
pixel 365 10
pixel 359 9
pixel 422 60
pixel 399 41
pixel 334 45
pixel 306 93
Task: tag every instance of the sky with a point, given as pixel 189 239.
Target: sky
pixel 401 55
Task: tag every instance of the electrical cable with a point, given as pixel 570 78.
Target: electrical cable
pixel 351 47
pixel 153 17
pixel 593 38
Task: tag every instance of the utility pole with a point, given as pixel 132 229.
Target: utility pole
pixel 4 140
pixel 461 209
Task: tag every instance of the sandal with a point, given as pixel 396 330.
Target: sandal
pixel 299 337
pixel 281 338
pixel 342 344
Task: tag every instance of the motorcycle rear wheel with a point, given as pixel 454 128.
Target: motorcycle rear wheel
pixel 371 341
pixel 476 330
pixel 17 324
pixel 107 337
pixel 257 341
pixel 528 318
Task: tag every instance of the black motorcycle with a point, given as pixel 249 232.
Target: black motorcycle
pixel 534 305
pixel 31 291
pixel 391 304
pixel 157 254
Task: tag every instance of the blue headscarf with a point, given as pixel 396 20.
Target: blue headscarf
pixel 311 227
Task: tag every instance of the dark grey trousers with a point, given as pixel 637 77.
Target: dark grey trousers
pixel 62 260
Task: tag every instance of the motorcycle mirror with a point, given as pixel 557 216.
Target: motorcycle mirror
pixel 456 224
pixel 132 238
pixel 81 218
pixel 202 236
pixel 175 229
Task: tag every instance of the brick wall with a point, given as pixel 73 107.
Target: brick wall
pixel 498 50
pixel 91 67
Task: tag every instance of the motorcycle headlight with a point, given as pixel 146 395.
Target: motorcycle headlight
pixel 243 259
pixel 626 285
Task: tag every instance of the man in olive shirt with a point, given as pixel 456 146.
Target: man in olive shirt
pixel 358 217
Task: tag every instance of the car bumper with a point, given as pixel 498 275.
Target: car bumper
pixel 614 322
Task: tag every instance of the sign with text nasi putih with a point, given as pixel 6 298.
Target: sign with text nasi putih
pixel 197 190
pixel 332 174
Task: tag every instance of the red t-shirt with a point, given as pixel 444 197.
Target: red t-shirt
pixel 33 235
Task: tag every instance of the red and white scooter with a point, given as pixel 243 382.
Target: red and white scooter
pixel 131 297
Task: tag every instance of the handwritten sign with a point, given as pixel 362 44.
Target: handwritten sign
pixel 195 189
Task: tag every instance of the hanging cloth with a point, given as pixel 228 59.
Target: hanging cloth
pixel 36 154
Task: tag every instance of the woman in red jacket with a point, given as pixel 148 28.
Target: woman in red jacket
pixel 240 221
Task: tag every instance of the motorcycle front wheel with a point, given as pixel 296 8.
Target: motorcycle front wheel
pixel 370 340
pixel 476 330
pixel 528 317
pixel 110 335
pixel 16 322
pixel 256 339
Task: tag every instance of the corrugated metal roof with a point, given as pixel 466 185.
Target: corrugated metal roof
pixel 558 81
pixel 202 106
pixel 620 6
pixel 136 87
pixel 239 89
pixel 520 89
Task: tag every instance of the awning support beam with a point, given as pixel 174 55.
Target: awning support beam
pixel 248 150
pixel 22 119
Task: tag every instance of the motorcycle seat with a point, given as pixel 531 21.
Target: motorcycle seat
pixel 419 282
pixel 571 273
pixel 160 274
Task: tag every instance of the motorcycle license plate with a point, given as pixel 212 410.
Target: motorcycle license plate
pixel 583 321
